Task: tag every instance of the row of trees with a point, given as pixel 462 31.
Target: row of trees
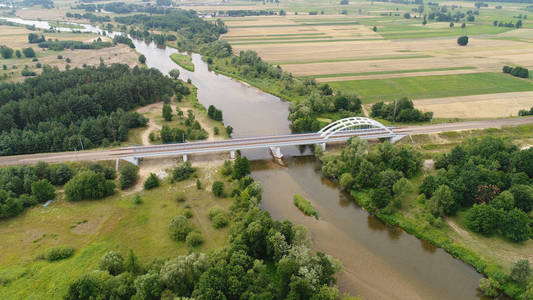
pixel 400 111
pixel 214 113
pixel 492 179
pixel 8 53
pixel 516 71
pixel 264 259
pixel 62 45
pixel 76 109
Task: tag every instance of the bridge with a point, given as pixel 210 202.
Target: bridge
pixel 338 131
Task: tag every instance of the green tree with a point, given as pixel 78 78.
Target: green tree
pixel 167 112
pixel 132 264
pixel 28 52
pixel 523 197
pixel 142 59
pixel 443 198
pixel 194 239
pixel 515 225
pixel 218 188
pixel 112 262
pixel 504 201
pixel 380 197
pixel 129 174
pixel 241 167
pixel 462 41
pixel 43 190
pixel 174 74
pixel 148 286
pixel 521 271
pixel 523 161
pixel 88 185
pixel 84 288
pixel 489 287
pixel 179 228
pixel 346 181
pixel 151 182
pixel 482 218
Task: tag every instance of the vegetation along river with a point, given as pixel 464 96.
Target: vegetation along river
pixel 380 262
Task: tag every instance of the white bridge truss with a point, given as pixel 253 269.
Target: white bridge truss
pixel 353 123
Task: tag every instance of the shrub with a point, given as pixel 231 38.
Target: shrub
pixel 380 197
pixel 187 213
pixel 241 167
pixel 507 69
pixel 462 41
pixel 43 190
pixel 346 181
pixel 183 171
pixel 194 239
pixel 151 182
pixel 305 206
pixel 218 188
pixel 129 175
pixel 482 219
pixel 198 184
pixel 489 287
pixel 88 185
pixel 112 262
pixel 57 253
pixel 213 211
pixel 179 228
pixel 180 197
pixel 137 200
pixel 520 271
pixel 220 220
pixel 61 174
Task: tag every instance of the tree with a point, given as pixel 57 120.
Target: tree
pixel 86 287
pixel 183 171
pixel 151 182
pixel 520 271
pixel 194 239
pixel 482 218
pixel 380 197
pixel 43 190
pixel 28 52
pixel 112 262
pixel 132 264
pixel 515 225
pixel 167 112
pixel 504 201
pixel 174 74
pixel 18 54
pixel 523 161
pixel 142 59
pixel 451 24
pixel 462 41
pixel 241 167
pixel 463 26
pixel 148 286
pixel 401 188
pixel 61 174
pixel 523 197
pixel 179 228
pixel 129 175
pixel 88 185
pixel 218 188
pixel 346 181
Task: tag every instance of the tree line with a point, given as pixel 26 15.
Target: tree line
pixel 76 109
pixel 399 111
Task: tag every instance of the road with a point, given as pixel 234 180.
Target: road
pixel 243 143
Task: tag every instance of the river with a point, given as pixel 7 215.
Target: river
pixel 380 261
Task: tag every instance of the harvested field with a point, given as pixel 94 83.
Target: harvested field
pixel 477 106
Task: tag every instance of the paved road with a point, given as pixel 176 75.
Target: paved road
pixel 111 154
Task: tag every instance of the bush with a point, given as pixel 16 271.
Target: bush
pixel 180 197
pixel 520 271
pixel 151 182
pixel 218 188
pixel 43 190
pixel 462 41
pixel 516 71
pixel 194 239
pixel 137 200
pixel 380 197
pixel 220 220
pixel 129 175
pixel 187 213
pixel 183 171
pixel 213 211
pixel 482 219
pixel 57 253
pixel 305 206
pixel 489 287
pixel 112 262
pixel 88 185
pixel 61 174
pixel 179 228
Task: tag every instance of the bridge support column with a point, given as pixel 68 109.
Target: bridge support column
pixel 185 158
pixel 133 160
pixel 396 138
pixel 276 152
pixel 116 165
pixel 323 145
pixel 232 154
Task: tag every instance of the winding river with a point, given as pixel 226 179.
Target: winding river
pixel 380 262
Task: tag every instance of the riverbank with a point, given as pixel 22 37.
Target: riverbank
pixel 183 60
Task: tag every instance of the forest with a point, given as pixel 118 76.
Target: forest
pixel 76 109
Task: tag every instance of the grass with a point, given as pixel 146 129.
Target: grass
pixel 114 223
pixel 305 206
pixel 389 72
pixel 420 87
pixel 292 41
pixel 430 33
pixel 297 25
pixel 183 60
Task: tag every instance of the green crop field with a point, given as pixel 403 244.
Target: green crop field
pixel 183 60
pixel 437 86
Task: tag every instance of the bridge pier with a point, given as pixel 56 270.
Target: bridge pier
pixel 185 158
pixel 232 154
pixel 116 165
pixel 323 145
pixel 131 159
pixel 276 152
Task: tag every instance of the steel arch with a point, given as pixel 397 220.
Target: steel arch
pixel 351 122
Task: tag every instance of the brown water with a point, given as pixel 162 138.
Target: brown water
pixel 380 262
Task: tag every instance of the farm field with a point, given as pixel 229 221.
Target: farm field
pixel 17 38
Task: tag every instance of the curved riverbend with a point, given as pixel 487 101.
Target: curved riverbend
pixel 380 262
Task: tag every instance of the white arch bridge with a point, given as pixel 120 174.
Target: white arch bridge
pixel 338 131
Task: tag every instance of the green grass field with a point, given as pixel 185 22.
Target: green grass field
pixel 183 60
pixel 437 86
pixel 388 72
pixel 95 227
